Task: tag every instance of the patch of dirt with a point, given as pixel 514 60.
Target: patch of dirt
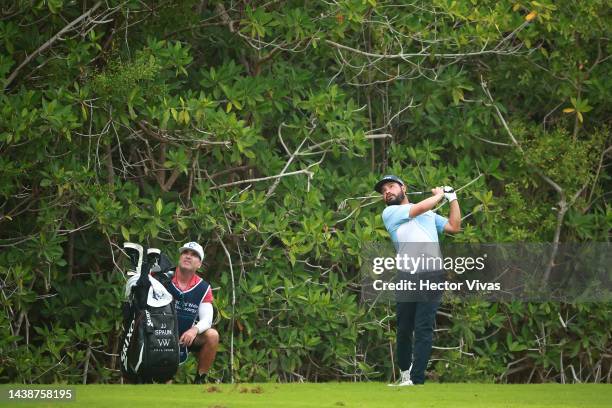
pixel 254 390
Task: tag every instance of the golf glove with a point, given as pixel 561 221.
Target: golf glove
pixel 449 194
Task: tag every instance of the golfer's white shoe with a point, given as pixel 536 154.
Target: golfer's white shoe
pixel 404 379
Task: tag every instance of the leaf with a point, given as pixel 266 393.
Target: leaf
pixel 125 232
pixel 531 16
pixel 55 5
pixel 165 118
pixel 568 110
pixel 159 206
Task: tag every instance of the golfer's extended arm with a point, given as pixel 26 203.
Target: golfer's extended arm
pixel 454 218
pixel 205 311
pixel 425 205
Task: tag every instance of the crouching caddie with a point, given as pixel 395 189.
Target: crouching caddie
pixel 193 299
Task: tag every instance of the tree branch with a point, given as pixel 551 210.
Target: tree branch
pixel 293 155
pixel 46 45
pixel 229 258
pixel 291 173
pixel 563 205
pixel 423 53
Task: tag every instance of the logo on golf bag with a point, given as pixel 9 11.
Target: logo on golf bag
pixel 149 322
pixel 126 345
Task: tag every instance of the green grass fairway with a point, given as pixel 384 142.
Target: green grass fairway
pixel 336 395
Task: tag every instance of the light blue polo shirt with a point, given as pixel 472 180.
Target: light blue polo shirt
pixel 417 237
pixel 403 228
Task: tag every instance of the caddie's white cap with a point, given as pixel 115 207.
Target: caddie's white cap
pixel 194 246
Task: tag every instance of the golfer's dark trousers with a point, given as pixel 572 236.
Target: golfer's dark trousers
pixel 415 322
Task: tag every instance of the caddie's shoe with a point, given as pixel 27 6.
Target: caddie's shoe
pixel 404 379
pixel 200 379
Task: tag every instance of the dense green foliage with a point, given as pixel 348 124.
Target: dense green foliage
pixel 259 128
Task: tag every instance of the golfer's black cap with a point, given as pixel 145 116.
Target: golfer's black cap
pixel 386 179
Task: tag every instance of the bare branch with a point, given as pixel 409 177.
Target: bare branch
pixel 292 173
pixel 163 137
pixel 379 136
pixel 422 53
pixel 46 45
pixel 376 200
pixel 386 125
pixel 517 144
pixel 273 186
pixel 229 258
pixel 491 141
pixel 563 205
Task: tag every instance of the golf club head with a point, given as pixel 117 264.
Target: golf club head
pixel 153 255
pixel 153 259
pixel 135 254
pixel 163 277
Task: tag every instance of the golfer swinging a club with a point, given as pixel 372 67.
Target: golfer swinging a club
pixel 416 226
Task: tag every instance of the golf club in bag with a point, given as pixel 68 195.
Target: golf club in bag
pixel 150 346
